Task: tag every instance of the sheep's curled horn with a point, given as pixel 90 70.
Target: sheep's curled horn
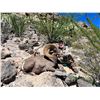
pixel 51 52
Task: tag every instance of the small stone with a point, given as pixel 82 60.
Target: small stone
pixel 5 53
pixel 16 39
pixel 22 46
pixel 83 83
pixel 4 38
pixel 60 74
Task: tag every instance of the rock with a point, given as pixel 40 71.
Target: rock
pixel 43 38
pixel 22 81
pixel 21 54
pixel 81 82
pixel 30 51
pixel 45 79
pixel 24 40
pixel 68 70
pixel 4 38
pixel 71 79
pixel 16 52
pixel 73 85
pixel 85 75
pixel 18 62
pixel 8 71
pixel 31 34
pixel 18 57
pixel 16 39
pixel 0 84
pixel 97 83
pixel 5 53
pixel 28 45
pixel 97 80
pixel 31 43
pixel 34 37
pixel 22 46
pixel 60 74
pixel 13 46
pixel 0 76
pixel 11 36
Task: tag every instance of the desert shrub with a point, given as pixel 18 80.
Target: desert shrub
pixel 55 28
pixel 92 53
pixel 17 23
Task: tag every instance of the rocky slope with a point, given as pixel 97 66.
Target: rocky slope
pixel 14 50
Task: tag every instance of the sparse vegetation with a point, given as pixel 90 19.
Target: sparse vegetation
pixel 59 28
pixel 17 23
pixel 93 34
pixel 92 51
pixel 54 28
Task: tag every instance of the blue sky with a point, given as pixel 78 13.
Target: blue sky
pixel 82 17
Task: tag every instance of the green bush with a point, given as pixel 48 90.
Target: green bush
pixel 18 24
pixel 53 28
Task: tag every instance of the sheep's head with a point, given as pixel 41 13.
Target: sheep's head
pixel 51 52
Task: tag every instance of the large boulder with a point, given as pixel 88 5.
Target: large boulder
pixel 8 71
pixel 22 80
pixel 48 79
pixel 45 79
